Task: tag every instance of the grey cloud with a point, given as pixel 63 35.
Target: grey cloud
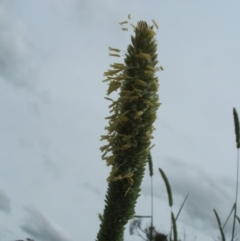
pixel 49 165
pixel 4 202
pixel 40 227
pixel 16 63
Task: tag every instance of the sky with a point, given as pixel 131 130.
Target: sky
pixel 52 58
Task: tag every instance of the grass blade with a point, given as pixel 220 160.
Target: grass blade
pixel 219 225
pixel 169 192
pixel 234 206
pixel 181 206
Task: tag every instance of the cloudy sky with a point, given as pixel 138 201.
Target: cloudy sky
pixel 53 54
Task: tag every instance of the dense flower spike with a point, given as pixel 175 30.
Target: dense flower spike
pixel 130 128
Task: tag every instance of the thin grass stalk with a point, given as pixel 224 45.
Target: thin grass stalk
pixel 151 175
pixel 181 206
pixel 219 225
pixel 151 207
pixel 236 198
pixel 174 227
pixel 237 133
pixel 170 199
pixel 234 206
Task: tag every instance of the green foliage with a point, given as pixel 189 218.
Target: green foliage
pixel 130 128
pixel 129 140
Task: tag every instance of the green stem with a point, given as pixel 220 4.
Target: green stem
pixel 151 228
pixel 237 133
pixel 236 197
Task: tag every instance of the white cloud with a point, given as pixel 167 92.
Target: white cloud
pixel 4 202
pixel 40 227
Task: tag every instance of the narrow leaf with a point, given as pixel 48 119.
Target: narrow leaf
pixel 234 206
pixel 181 206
